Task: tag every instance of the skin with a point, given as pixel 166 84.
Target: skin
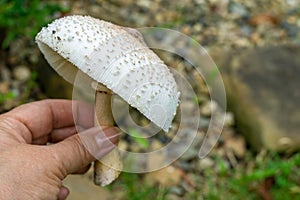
pixel 30 169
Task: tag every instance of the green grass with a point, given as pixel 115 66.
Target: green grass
pixel 29 91
pixel 245 181
pixel 24 18
pixel 224 182
pixel 137 137
pixel 134 188
pixel 7 96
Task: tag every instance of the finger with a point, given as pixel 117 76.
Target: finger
pixel 83 170
pixel 38 119
pixel 63 193
pixel 79 150
pixel 58 135
pixel 40 141
pixel 83 114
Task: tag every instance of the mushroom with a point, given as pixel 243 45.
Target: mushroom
pixel 119 62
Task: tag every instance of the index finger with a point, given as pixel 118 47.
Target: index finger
pixel 37 119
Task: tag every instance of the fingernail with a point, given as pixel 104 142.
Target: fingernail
pixel 103 137
pixel 111 131
pixel 99 142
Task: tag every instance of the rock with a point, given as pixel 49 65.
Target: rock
pixel 262 87
pixel 205 163
pixel 238 9
pixel 123 145
pixel 186 30
pixel 156 145
pixel 292 30
pixel 144 3
pixel 204 122
pixel 167 177
pixel 21 73
pixel 242 42
pixel 141 20
pixel 176 190
pixel 4 87
pixel 135 147
pixel 208 108
pixel 229 119
pixel 264 19
pixel 220 6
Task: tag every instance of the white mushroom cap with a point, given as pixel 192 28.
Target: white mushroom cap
pixel 116 57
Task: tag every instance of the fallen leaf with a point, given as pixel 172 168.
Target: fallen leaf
pixel 264 188
pixel 263 19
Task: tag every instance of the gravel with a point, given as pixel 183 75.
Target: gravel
pixel 218 25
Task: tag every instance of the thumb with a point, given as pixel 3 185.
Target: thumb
pixel 81 149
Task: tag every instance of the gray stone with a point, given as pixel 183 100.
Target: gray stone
pixel 262 87
pixel 21 73
pixel 208 108
pixel 229 119
pixel 176 190
pixel 238 9
pixel 205 163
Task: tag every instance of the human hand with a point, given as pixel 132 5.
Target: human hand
pixel 30 169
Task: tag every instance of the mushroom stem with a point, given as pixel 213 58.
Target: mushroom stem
pixel 105 169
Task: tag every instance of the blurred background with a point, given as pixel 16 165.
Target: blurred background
pixel 256 46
